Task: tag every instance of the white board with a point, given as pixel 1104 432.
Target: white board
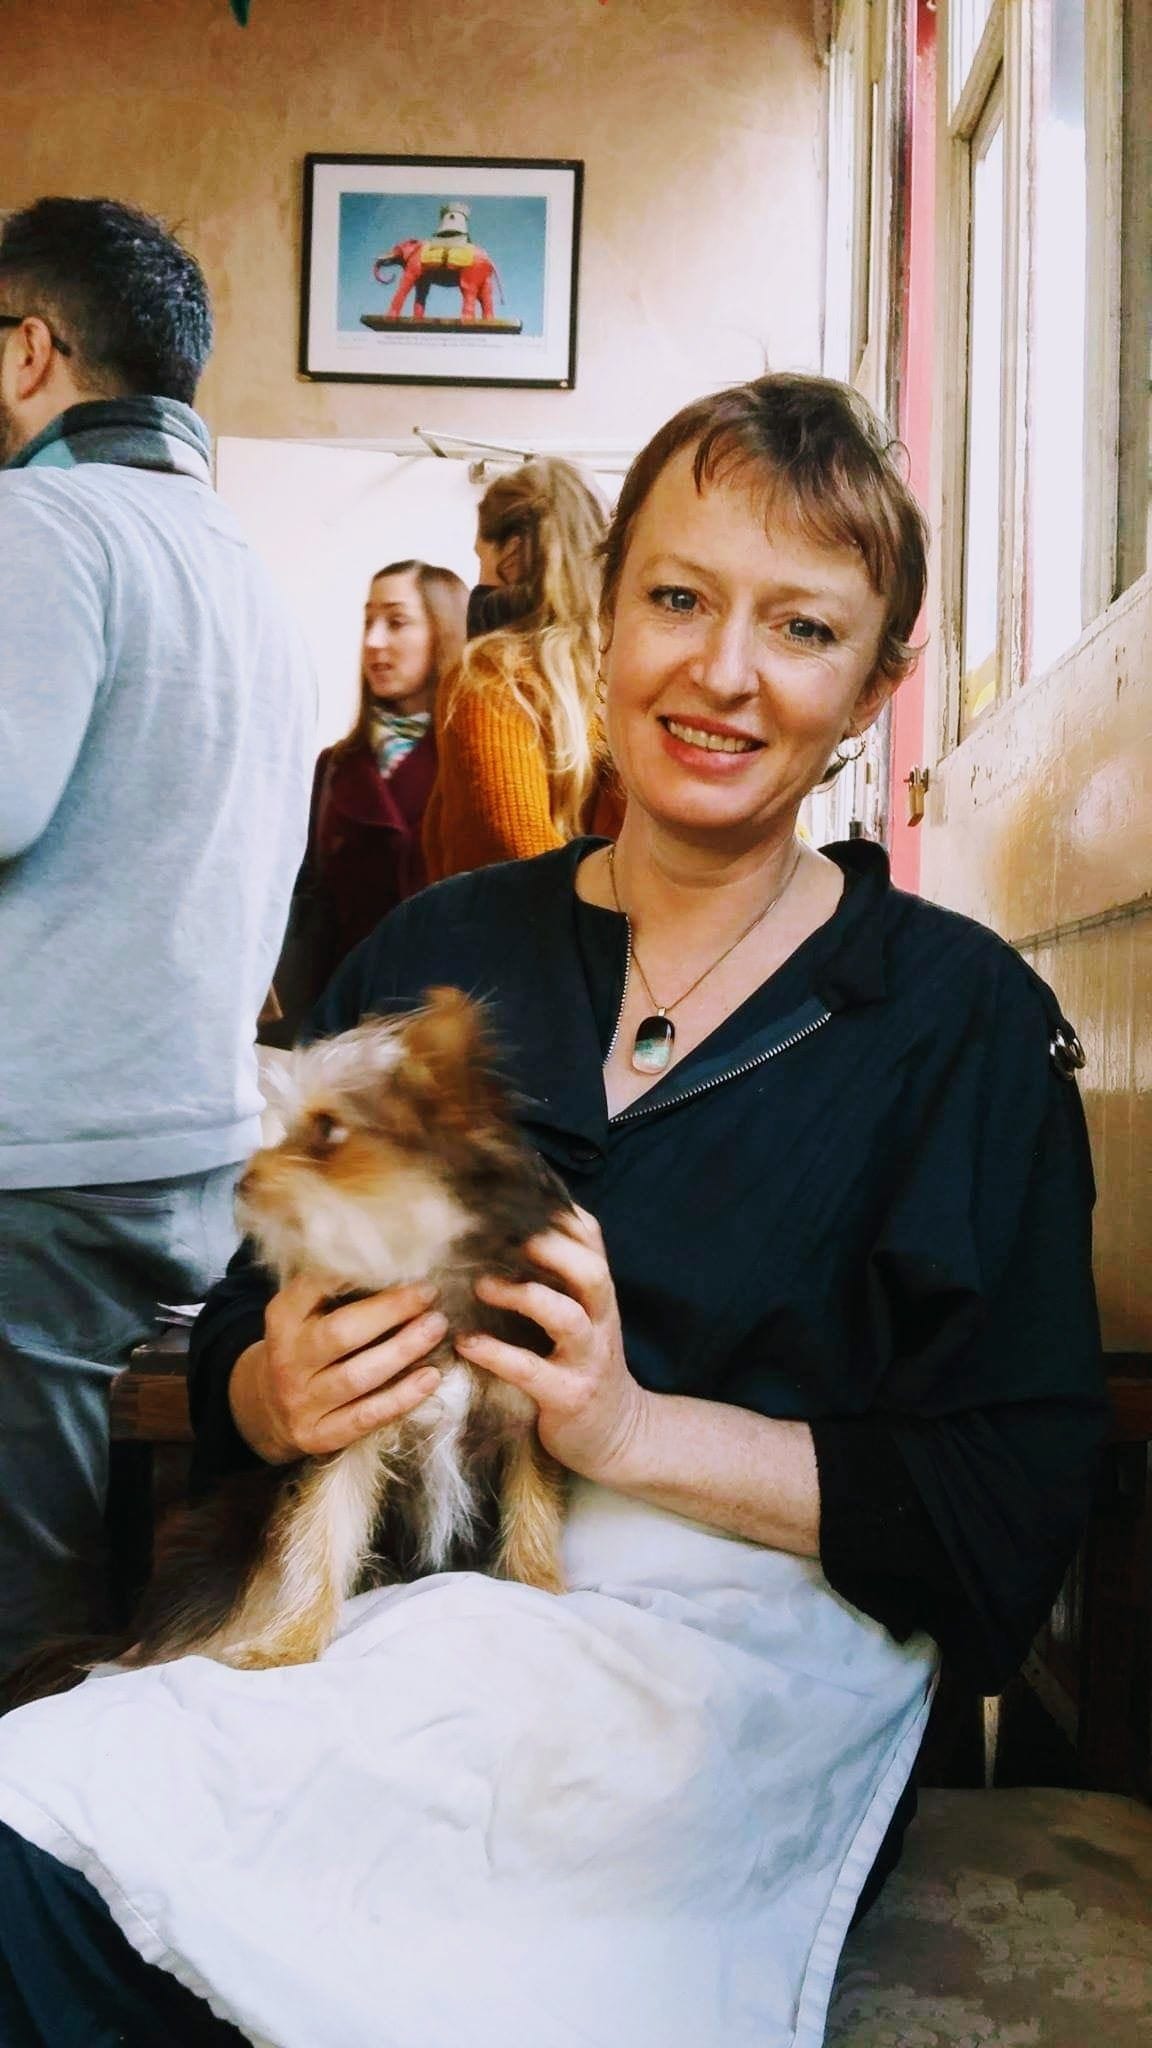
pixel 325 519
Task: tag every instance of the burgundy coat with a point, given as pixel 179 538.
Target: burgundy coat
pixel 363 858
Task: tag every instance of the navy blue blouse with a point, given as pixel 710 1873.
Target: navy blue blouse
pixel 863 1201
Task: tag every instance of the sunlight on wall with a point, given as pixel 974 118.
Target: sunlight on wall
pixel 700 134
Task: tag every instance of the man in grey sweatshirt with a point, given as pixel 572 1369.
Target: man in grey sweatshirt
pixel 157 715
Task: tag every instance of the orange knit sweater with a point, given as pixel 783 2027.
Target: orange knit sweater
pixel 490 800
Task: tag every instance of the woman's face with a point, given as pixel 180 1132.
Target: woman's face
pixel 740 655
pixel 398 648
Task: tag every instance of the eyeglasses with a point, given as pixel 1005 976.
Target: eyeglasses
pixel 18 319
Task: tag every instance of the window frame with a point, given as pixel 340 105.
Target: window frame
pixel 1104 142
pixel 990 115
pixel 854 137
pixel 1006 56
pixel 866 42
pixel 1134 519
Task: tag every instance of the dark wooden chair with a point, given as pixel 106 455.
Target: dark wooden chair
pixel 150 1455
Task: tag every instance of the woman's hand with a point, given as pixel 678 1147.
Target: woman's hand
pixel 591 1409
pixel 319 1380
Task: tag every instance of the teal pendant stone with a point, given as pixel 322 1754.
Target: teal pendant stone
pixel 652 1046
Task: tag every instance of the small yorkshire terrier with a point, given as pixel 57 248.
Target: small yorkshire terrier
pixel 400 1162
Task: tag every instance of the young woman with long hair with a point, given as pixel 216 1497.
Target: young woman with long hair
pixel 370 791
pixel 520 770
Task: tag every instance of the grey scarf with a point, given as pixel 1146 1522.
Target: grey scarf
pixel 137 433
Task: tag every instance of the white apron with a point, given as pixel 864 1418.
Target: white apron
pixel 636 1816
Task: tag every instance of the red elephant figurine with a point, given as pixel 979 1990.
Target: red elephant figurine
pixel 425 263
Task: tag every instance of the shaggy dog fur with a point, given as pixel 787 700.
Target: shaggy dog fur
pixel 400 1161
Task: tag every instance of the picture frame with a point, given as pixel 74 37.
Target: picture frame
pixel 440 270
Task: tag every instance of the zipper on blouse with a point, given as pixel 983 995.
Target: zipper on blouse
pixel 623 993
pixel 717 1080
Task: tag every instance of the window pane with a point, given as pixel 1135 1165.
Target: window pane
pixel 841 212
pixel 850 153
pixel 985 356
pixel 1057 335
pixel 967 20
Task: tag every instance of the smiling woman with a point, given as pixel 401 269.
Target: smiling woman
pixel 762 574
pixel 824 1373
pixel 742 651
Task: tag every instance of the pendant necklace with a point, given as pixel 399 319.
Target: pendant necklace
pixel 656 1035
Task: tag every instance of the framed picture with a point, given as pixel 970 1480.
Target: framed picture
pixel 440 270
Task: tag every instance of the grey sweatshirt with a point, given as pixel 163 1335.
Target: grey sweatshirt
pixel 157 718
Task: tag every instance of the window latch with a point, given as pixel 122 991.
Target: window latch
pixel 916 783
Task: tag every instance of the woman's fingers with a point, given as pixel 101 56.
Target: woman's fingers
pixel 581 1223
pixel 558 1315
pixel 343 1426
pixel 572 1255
pixel 556 1247
pixel 317 1364
pixel 366 1371
pixel 576 1266
pixel 524 1369
pixel 341 1331
pixel 335 1374
pixel 288 1311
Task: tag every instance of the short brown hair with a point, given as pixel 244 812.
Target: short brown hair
pixel 824 459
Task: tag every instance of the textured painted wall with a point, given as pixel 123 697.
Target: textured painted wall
pixel 1041 826
pixel 700 129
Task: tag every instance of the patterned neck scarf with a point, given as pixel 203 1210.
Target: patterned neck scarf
pixel 136 433
pixel 394 734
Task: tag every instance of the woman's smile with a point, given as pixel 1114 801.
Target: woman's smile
pixel 709 747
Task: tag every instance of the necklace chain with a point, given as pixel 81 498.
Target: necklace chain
pixel 662 1009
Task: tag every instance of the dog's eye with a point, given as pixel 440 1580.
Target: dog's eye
pixel 327 1132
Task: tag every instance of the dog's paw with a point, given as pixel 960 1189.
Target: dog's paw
pixel 268 1655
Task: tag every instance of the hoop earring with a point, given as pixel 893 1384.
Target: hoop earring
pixel 845 753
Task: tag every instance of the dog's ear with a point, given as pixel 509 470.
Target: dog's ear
pixel 447 1058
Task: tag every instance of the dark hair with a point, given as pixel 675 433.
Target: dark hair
pixel 129 300
pixel 822 457
pixel 444 596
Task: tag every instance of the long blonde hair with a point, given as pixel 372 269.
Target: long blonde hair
pixel 444 596
pixel 547 645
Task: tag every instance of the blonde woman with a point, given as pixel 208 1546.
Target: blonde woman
pixel 518 767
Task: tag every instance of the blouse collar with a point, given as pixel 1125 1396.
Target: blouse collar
pixel 558 1066
pixel 848 950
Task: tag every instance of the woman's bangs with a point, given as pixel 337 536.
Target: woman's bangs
pixel 819 500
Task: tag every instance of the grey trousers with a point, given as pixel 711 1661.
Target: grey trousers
pixel 81 1272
